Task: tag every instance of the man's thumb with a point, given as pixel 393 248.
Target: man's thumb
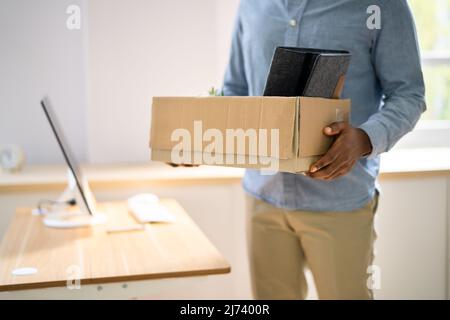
pixel 334 128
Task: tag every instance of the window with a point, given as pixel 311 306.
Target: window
pixel 433 27
pixel 432 19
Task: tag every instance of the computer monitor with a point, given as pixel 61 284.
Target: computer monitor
pixel 80 187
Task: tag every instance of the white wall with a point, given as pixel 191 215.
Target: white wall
pixel 101 78
pixel 411 249
pixel 139 49
pixel 39 55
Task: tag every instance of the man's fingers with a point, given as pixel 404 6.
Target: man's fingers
pixel 335 128
pixel 331 170
pixel 326 172
pixel 327 159
pixel 322 162
pixel 338 168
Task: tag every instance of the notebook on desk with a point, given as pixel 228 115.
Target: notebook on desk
pixel 307 72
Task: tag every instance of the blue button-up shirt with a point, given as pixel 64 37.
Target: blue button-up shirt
pixel 384 82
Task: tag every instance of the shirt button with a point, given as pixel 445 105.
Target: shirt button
pixel 292 23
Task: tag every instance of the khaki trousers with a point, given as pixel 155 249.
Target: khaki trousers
pixel 336 246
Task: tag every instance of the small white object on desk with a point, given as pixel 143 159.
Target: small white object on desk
pixel 146 207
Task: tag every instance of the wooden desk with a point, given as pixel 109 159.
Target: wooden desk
pixel 131 261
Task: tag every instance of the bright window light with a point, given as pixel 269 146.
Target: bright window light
pixel 433 27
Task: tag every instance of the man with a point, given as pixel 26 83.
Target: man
pixel 325 218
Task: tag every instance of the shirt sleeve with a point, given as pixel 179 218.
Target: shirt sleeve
pixel 396 61
pixel 235 83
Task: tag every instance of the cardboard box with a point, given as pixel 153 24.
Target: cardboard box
pixel 273 133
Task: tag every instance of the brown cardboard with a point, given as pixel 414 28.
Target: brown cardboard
pixel 299 120
pixel 169 113
pixel 316 114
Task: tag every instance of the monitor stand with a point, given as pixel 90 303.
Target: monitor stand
pixel 68 218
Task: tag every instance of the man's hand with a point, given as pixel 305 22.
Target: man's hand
pixel 350 145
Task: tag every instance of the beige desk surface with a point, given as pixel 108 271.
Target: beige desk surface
pixel 178 249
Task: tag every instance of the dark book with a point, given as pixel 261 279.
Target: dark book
pixel 307 72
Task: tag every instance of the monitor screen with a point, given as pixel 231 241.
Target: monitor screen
pixel 66 151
